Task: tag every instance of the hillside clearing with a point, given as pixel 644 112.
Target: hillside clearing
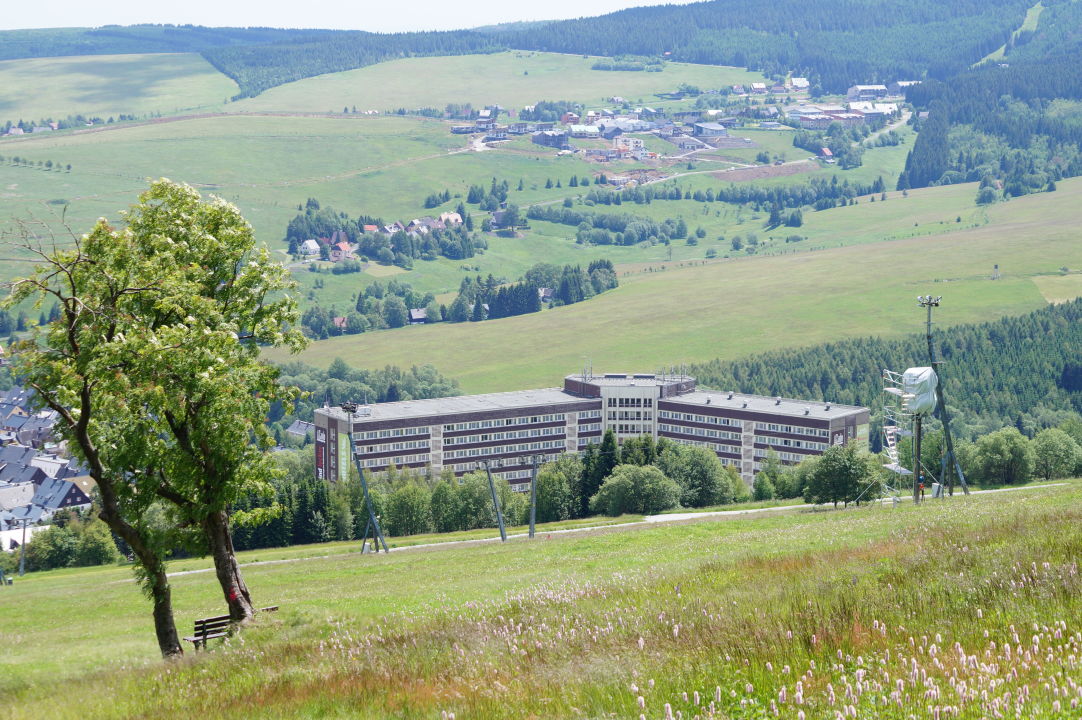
pixel 109 85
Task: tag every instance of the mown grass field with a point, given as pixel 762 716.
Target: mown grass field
pixel 109 85
pixel 511 79
pixel 739 306
pixel 885 612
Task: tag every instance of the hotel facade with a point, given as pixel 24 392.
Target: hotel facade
pixel 508 430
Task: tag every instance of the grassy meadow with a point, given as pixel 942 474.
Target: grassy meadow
pixel 512 79
pixel 737 306
pixel 109 85
pixel 962 608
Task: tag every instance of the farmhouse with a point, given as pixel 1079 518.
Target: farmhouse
pixel 310 247
pixel 509 429
pixel 758 88
pixel 341 251
pixel 799 83
pixel 418 316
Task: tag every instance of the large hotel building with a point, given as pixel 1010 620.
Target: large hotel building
pixel 507 430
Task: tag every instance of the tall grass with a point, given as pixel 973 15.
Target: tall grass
pixel 966 609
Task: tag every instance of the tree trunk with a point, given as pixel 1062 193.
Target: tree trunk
pixel 216 527
pixel 154 580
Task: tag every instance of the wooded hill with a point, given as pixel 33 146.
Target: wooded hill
pixel 835 42
pixel 1023 371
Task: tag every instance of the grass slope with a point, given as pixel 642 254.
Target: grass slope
pixel 511 79
pixel 109 85
pixel 735 307
pixel 601 625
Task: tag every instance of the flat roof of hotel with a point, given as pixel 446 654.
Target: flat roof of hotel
pixel 516 399
pixel 763 404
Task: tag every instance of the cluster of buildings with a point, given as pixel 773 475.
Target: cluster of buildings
pixel 853 113
pixel 340 248
pixel 36 479
pixel 507 431
pixel 790 86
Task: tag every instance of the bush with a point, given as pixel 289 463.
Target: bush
pixel 635 489
pixel 1001 458
pixel 699 473
pixel 409 511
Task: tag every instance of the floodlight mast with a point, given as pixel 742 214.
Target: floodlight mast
pixel 950 464
pixel 373 522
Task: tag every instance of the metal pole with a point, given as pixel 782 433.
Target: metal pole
pixel 952 464
pixel 496 504
pixel 22 551
pixel 533 496
pixel 371 511
pixel 917 474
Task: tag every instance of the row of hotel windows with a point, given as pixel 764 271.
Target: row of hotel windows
pixel 524 420
pixel 786 442
pixel 397 432
pixel 703 432
pixel 500 450
pixel 633 429
pixel 389 447
pixel 591 427
pixel 509 435
pixel 783 456
pixel 793 429
pixel 590 415
pixel 631 415
pixel 705 419
pixel 398 461
pixel 471 466
pixel 627 402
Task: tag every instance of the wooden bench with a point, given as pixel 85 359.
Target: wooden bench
pixel 215 627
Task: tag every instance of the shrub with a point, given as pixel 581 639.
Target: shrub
pixel 635 489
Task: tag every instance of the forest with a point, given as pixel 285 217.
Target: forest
pixel 1016 128
pixel 1020 371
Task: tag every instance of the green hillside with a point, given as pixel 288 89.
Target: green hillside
pixel 109 85
pixel 737 307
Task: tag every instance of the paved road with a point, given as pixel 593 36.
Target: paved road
pixel 648 520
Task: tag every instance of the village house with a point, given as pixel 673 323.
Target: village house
pixel 418 316
pixel 799 83
pixel 341 251
pixel 310 247
pixel 758 88
pixel 450 218
pixel 569 118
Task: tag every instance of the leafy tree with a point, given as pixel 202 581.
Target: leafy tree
pixel 555 488
pixel 842 474
pixel 636 489
pixel 394 312
pixel 409 511
pixel 182 274
pixel 1055 454
pixel 1003 457
pixel 699 473
pixel 762 488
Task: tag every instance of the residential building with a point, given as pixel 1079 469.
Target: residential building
pixel 310 247
pixel 507 430
pixel 799 83
pixel 866 92
pixel 711 129
pixel 551 138
pixel 418 316
pixel 898 87
pixel 584 131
